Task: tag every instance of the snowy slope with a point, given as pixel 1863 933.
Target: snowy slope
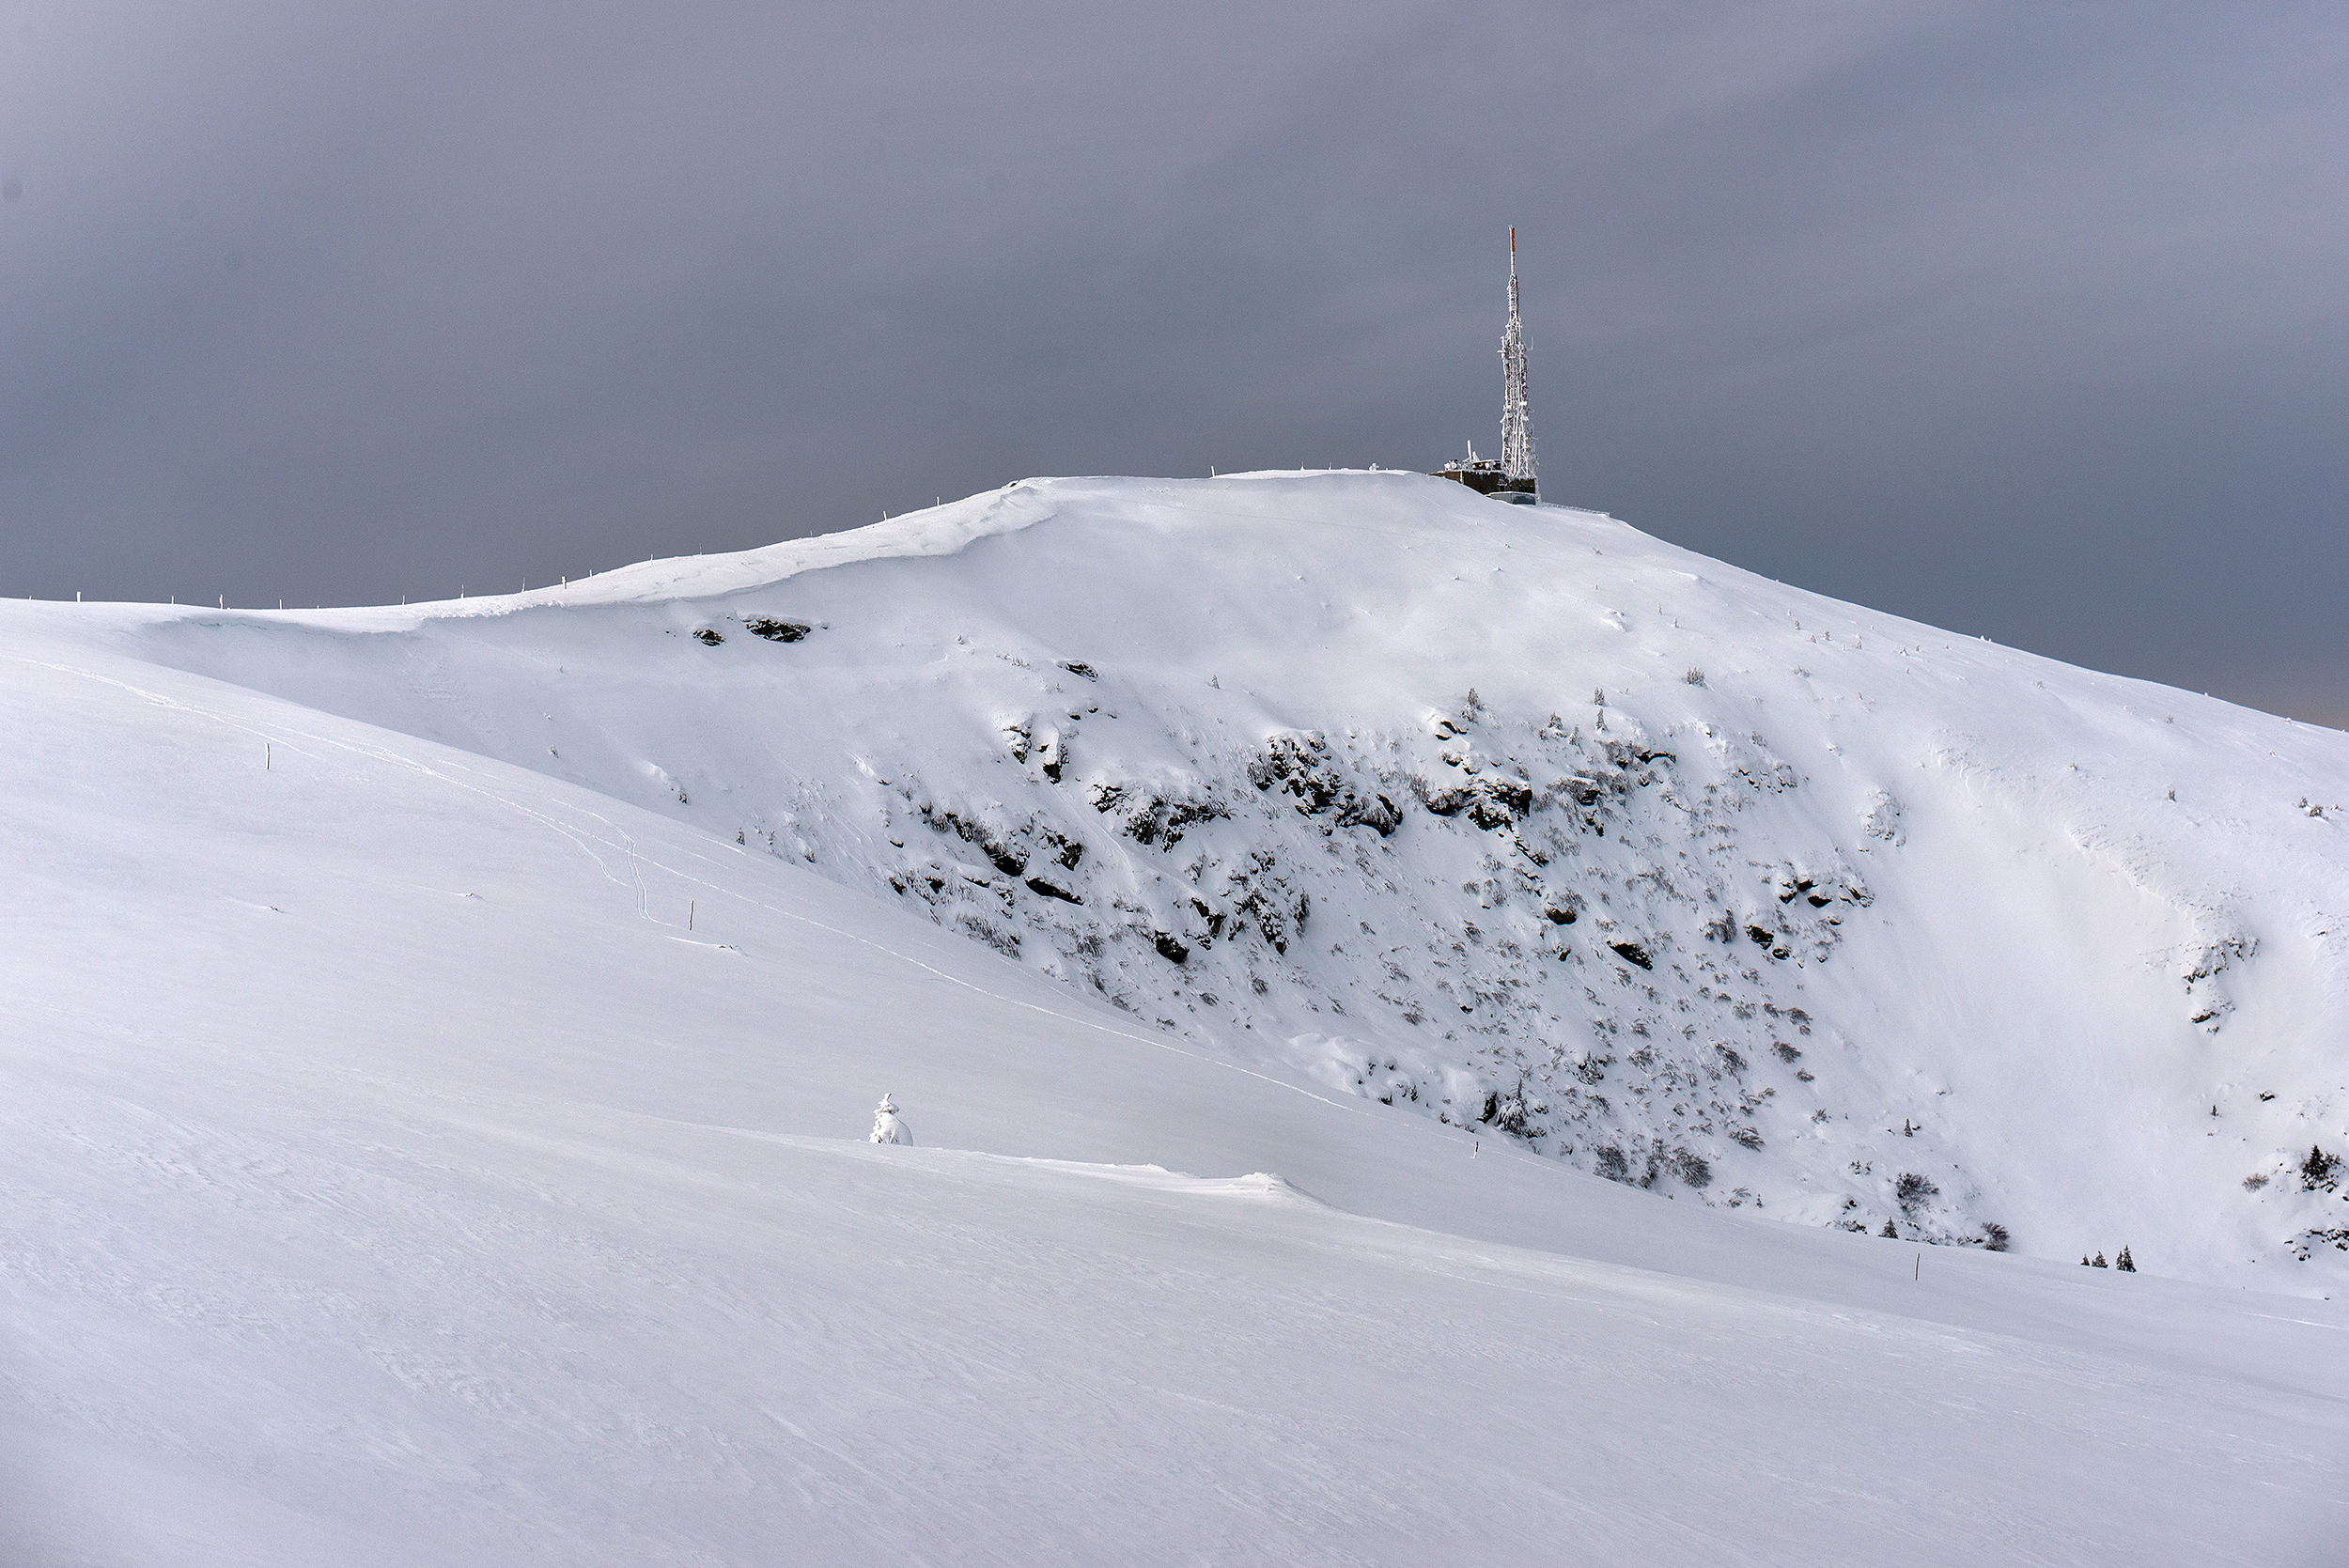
pixel 394 1177
pixel 1517 816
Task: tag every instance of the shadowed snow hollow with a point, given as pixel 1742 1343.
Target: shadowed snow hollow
pixel 1515 815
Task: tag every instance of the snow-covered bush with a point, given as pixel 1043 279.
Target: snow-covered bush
pixel 888 1126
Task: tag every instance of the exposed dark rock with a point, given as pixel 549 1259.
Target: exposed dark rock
pixel 1300 765
pixel 1491 801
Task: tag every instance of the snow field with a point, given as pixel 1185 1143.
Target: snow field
pixel 1512 815
pixel 394 1178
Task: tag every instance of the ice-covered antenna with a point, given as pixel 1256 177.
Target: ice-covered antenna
pixel 1517 418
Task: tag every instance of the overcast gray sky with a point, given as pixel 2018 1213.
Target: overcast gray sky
pixel 2024 320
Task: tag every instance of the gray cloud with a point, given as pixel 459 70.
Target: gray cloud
pixel 2022 319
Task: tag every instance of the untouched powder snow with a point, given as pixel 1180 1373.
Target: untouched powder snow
pixel 1512 815
pixel 434 1137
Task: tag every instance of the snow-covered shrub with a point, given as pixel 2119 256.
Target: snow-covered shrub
pixel 888 1126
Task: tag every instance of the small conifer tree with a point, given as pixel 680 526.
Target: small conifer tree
pixel 2099 1262
pixel 1889 1233
pixel 2122 1262
pixel 2083 1260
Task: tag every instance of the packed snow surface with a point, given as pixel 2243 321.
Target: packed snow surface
pixel 1297 916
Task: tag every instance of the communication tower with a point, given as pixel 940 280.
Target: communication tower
pixel 1517 417
pixel 1512 475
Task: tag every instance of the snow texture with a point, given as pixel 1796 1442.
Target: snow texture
pixel 1517 817
pixel 394 1177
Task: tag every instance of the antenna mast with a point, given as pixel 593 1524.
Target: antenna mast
pixel 1517 418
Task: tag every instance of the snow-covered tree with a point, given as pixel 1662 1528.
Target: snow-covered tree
pixel 888 1126
pixel 2124 1263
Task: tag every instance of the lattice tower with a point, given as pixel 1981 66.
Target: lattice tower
pixel 1517 417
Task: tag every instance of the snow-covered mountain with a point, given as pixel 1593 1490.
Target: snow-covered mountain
pixel 438 1045
pixel 1518 817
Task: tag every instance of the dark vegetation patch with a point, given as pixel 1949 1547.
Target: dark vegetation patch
pixel 1002 941
pixel 1912 1189
pixel 777 631
pixel 710 636
pixel 1632 952
pixel 1154 820
pixel 1005 857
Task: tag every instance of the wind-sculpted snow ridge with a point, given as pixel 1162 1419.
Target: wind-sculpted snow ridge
pixel 1516 818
